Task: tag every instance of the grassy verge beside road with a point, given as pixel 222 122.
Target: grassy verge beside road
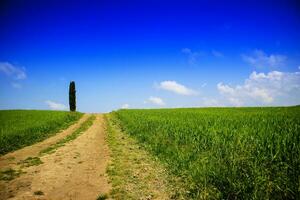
pixel 134 172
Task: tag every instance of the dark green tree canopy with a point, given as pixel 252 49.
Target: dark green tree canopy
pixel 72 96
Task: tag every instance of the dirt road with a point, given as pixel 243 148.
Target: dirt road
pixel 74 171
pixel 13 158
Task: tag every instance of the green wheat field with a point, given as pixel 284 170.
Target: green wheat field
pixel 224 153
pixel 20 128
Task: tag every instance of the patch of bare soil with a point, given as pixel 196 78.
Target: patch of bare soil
pixel 74 171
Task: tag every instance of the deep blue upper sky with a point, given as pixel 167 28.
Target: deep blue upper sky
pixel 140 52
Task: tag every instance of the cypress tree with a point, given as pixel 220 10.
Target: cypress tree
pixel 72 96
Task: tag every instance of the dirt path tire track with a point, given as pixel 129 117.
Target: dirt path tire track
pixel 11 159
pixel 75 171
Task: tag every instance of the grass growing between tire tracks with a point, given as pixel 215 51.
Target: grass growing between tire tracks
pixel 30 161
pixel 83 127
pixel 9 174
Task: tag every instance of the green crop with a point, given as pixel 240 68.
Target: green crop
pixel 19 128
pixel 224 153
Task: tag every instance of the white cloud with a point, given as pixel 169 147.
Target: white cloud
pixel 55 106
pixel 12 71
pixel 177 88
pixel 217 54
pixel 211 102
pixel 264 89
pixel 186 50
pixel 192 56
pixel 203 85
pixel 16 85
pixel 125 106
pixel 260 59
pixel 156 100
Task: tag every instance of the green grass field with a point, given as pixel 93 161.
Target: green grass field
pixel 19 128
pixel 224 153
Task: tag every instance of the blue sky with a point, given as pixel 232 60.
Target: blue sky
pixel 149 54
